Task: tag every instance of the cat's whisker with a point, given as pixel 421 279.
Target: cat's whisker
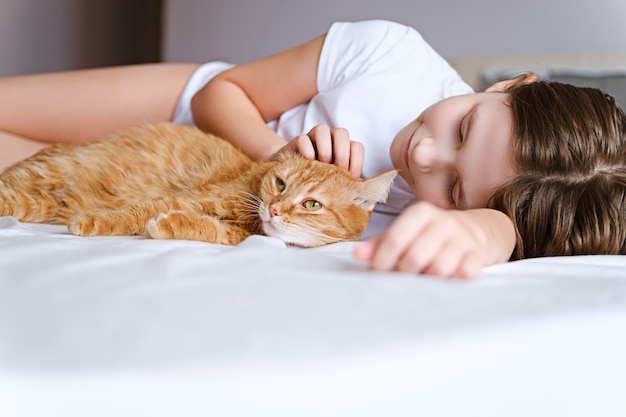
pixel 251 196
pixel 249 200
pixel 317 232
pixel 310 231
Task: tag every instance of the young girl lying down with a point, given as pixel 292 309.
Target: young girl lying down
pixel 527 168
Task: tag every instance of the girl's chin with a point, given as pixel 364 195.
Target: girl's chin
pixel 406 176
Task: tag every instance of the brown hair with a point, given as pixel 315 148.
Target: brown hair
pixel 569 196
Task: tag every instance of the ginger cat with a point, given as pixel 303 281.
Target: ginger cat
pixel 169 181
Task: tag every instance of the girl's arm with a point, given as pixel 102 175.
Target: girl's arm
pixel 450 243
pixel 238 103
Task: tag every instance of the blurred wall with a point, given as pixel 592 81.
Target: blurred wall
pixel 242 30
pixel 51 35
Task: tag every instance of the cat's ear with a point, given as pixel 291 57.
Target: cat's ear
pixel 374 190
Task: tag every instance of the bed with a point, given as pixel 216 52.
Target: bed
pixel 126 326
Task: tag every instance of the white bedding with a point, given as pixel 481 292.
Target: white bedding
pixel 124 326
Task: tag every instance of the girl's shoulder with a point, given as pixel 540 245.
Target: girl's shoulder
pixel 374 25
pixel 352 49
pixel 376 34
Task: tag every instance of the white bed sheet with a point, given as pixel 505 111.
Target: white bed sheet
pixel 127 326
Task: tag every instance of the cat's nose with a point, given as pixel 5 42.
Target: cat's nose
pixel 274 211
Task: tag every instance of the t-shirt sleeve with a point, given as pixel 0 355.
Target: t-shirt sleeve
pixel 351 49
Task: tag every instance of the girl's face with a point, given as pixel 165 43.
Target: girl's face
pixel 458 151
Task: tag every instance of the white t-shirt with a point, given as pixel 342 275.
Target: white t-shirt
pixel 374 78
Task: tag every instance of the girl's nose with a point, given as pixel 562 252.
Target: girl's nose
pixel 428 157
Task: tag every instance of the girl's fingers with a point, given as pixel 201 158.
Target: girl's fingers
pixel 341 148
pixel 321 139
pixel 357 155
pixel 452 263
pixel 396 240
pixel 418 256
pixel 470 267
pixel 447 261
pixel 332 146
pixel 305 147
pixel 365 250
pixel 439 247
pixel 425 239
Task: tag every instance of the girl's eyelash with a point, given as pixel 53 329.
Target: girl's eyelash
pixel 459 128
pixel 450 193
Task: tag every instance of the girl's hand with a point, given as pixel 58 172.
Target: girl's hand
pixel 449 243
pixel 332 146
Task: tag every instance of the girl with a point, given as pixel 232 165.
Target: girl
pixel 481 166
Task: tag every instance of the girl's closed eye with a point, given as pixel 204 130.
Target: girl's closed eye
pixel 451 190
pixel 454 180
pixel 459 129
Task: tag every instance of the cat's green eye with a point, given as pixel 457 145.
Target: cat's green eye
pixel 280 184
pixel 312 205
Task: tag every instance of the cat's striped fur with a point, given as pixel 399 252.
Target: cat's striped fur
pixel 169 181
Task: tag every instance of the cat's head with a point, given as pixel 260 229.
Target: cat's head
pixel 311 203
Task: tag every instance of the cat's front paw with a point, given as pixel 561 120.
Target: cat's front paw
pixel 185 225
pixel 165 225
pixel 94 223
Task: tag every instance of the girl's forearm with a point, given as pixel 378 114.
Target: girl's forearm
pixel 224 109
pixel 238 103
